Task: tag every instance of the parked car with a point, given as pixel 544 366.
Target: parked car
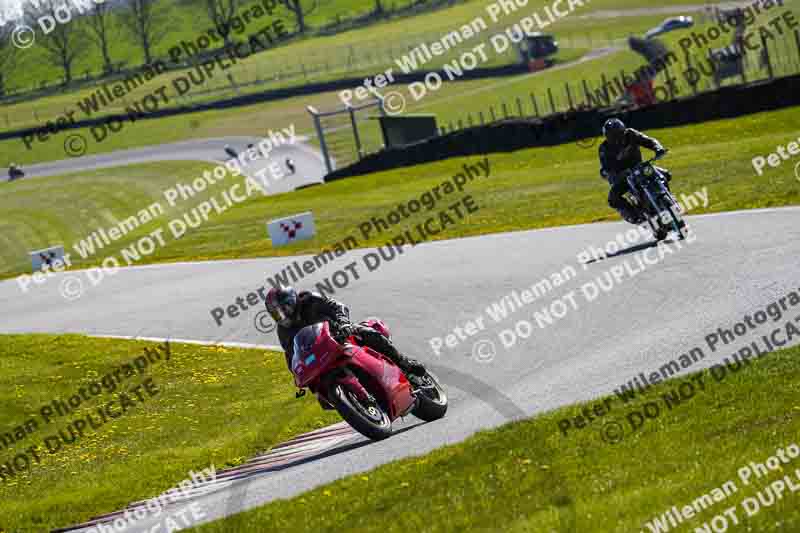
pixel 671 24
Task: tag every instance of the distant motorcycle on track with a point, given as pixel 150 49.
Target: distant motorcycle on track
pixel 651 195
pixel 367 389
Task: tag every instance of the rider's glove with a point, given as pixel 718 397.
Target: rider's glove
pixel 661 151
pixel 343 331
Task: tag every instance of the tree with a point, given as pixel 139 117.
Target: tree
pixel 64 40
pixel 299 12
pixel 7 55
pixel 221 13
pixel 98 23
pixel 147 23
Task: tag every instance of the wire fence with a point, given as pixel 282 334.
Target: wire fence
pixel 690 75
pixel 280 68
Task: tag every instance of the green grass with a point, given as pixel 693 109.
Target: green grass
pixel 526 477
pixel 354 53
pixel 187 19
pixel 460 100
pixel 533 188
pixel 156 443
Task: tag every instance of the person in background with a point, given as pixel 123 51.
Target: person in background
pixel 14 172
pixel 231 152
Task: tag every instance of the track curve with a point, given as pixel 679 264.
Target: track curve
pixel 308 161
pixel 738 263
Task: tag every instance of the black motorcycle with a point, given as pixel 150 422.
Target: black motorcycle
pixel 650 194
pixel 15 173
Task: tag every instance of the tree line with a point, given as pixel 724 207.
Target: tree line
pixel 145 21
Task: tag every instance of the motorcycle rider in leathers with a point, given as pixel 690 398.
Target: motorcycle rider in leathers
pixel 619 153
pixel 292 311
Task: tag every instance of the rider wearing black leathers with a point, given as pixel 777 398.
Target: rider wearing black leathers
pixel 619 153
pixel 294 310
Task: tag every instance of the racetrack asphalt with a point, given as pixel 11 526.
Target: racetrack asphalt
pixel 738 263
pixel 308 162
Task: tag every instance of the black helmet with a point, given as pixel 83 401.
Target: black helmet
pixel 613 130
pixel 282 305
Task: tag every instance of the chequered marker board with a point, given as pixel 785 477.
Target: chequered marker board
pixel 300 449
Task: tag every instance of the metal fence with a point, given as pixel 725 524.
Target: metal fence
pixel 774 59
pixel 346 135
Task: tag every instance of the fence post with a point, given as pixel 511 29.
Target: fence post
pixel 713 66
pixel 321 136
pixel 519 107
pixel 460 125
pixel 606 97
pixel 469 120
pixel 587 93
pixel 797 39
pixel 491 109
pixel 505 110
pixel 688 69
pixel 569 96
pixel 740 51
pixel 481 115
pixel 552 102
pixel 670 85
pixel 766 56
pixel 535 105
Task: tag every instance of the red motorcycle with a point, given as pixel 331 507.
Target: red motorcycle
pixel 364 386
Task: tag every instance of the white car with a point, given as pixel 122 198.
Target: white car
pixel 675 23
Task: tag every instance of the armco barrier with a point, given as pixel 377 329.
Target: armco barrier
pixel 515 134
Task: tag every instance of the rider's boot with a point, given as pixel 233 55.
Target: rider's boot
pixel 409 366
pixel 381 344
pixel 631 215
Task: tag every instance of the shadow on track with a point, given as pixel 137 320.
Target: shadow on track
pixel 631 250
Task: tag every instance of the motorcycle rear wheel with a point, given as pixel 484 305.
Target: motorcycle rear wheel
pixel 368 419
pixel 431 399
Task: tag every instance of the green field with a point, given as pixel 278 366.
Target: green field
pixel 185 21
pixel 464 101
pixel 156 443
pixel 526 477
pixel 359 52
pixel 533 188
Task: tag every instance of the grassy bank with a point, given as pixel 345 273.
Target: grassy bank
pixel 501 480
pixel 155 444
pixel 528 189
pixel 360 52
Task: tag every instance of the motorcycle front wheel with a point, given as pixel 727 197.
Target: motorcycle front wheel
pixel 368 418
pixel 678 223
